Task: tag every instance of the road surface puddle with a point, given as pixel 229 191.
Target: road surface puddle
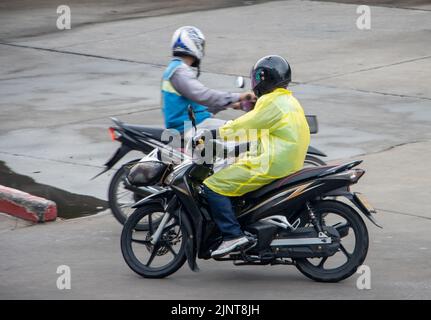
pixel 69 205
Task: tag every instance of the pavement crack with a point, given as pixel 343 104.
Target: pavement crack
pixel 52 160
pixel 79 54
pixel 393 147
pixel 361 90
pixel 383 150
pixel 397 145
pixel 100 118
pixel 89 55
pixel 160 66
pixel 370 68
pixel 404 213
pixel 140 33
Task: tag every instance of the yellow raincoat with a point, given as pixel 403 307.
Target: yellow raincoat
pixel 279 127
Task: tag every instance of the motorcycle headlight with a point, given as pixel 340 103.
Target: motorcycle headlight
pixel 148 173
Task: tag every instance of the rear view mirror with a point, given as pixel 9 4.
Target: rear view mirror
pixel 239 82
pixel 312 123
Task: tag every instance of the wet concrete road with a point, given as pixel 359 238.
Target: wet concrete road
pixel 369 88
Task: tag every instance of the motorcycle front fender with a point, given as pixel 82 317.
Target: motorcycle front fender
pixel 158 198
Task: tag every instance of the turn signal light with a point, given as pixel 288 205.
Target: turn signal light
pixel 113 133
pixel 356 174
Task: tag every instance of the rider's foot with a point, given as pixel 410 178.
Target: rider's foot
pixel 229 246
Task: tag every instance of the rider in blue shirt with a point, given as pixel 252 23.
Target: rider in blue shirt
pixel 181 87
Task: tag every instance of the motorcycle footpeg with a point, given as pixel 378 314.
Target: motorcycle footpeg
pixel 251 238
pixel 242 251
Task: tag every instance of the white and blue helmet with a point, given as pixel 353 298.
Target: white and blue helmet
pixel 189 41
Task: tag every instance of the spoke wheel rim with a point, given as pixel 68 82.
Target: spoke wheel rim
pixel 320 263
pixel 124 199
pixel 171 243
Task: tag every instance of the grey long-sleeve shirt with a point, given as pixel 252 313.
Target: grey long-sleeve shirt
pixel 184 80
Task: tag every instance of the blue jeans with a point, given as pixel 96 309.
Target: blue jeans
pixel 223 214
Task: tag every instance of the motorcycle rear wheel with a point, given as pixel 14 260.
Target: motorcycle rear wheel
pixel 354 259
pixel 121 199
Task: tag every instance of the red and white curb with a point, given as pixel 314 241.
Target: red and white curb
pixel 26 206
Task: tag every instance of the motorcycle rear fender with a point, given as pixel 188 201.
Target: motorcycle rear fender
pixel 128 143
pixel 352 197
pixel 121 152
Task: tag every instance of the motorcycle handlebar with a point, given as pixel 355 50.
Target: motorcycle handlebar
pixel 223 149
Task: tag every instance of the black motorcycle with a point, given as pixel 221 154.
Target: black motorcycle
pixel 297 220
pixel 145 139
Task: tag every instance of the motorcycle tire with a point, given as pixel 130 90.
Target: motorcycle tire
pixel 133 260
pixel 357 257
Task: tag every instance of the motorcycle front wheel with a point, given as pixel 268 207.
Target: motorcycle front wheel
pixel 162 258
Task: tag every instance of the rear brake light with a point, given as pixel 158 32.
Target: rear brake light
pixel 113 133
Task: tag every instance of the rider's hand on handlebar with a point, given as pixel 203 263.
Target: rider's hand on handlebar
pixel 246 102
pixel 236 105
pixel 247 96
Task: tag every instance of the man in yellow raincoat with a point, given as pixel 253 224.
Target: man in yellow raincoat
pixel 279 127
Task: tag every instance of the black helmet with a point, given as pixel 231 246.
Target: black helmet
pixel 268 73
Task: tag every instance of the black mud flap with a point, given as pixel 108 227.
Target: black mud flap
pixel 359 201
pixel 191 243
pixel 363 205
pixel 121 152
pixel 191 253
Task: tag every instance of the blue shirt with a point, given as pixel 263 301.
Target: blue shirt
pixel 174 105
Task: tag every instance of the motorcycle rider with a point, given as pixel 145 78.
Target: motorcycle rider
pixel 282 136
pixel 181 87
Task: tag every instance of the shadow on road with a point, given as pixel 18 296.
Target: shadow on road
pixel 69 205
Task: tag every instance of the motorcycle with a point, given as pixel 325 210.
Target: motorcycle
pixel 145 139
pixel 296 220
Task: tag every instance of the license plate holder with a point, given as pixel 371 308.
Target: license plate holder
pixel 363 200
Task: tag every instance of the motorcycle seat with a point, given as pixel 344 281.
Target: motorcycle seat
pixel 301 175
pixel 154 132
